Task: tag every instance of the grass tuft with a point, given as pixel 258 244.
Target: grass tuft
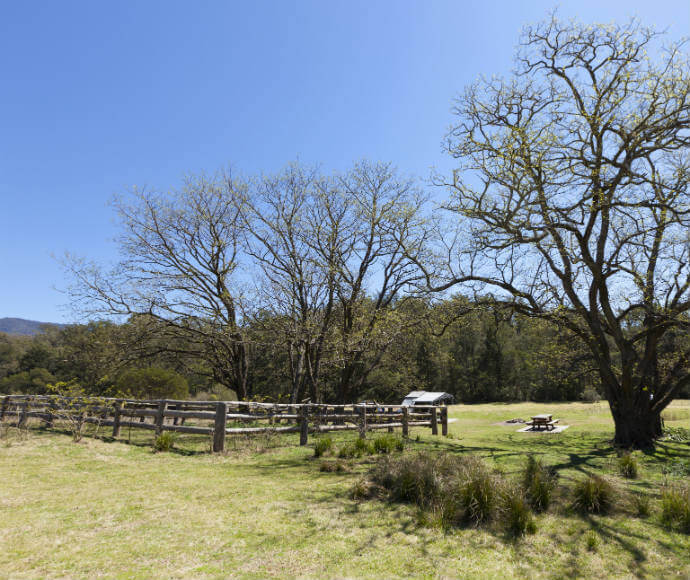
pixel 641 504
pixel 517 513
pixel 323 445
pixel 628 466
pixel 388 443
pixel 164 442
pixel 539 482
pixel 593 495
pixel 332 466
pixel 675 508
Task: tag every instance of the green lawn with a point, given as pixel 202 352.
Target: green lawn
pixel 115 510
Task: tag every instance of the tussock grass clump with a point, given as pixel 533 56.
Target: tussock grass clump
pixel 539 482
pixel 332 466
pixel 593 495
pixel 452 490
pixel 362 489
pixel 388 443
pixel 641 504
pixel 517 513
pixel 478 493
pixel 383 444
pixel 677 434
pixel 164 442
pixel 322 446
pixel 627 465
pixel 591 541
pixel 356 448
pixel 675 508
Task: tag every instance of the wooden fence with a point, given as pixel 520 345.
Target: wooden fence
pixel 219 419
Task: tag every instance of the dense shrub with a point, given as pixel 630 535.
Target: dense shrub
pixel 593 495
pixel 153 383
pixel 675 508
pixel 627 465
pixel 539 482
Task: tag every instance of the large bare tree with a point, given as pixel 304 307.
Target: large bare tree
pixel 180 255
pixel 296 249
pixel 571 195
pixel 381 230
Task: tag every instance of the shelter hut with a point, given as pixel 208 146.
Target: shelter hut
pixel 428 398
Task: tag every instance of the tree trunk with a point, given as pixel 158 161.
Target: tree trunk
pixel 637 426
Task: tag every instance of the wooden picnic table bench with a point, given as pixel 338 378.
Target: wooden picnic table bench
pixel 540 422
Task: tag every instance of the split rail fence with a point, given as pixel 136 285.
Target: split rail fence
pixel 220 419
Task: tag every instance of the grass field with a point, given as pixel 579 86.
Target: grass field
pixel 104 509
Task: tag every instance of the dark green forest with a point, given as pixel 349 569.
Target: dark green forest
pixel 479 355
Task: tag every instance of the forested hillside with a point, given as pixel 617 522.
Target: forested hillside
pixel 23 326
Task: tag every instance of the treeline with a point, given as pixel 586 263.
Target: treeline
pixel 477 354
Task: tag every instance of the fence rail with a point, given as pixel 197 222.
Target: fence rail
pixel 219 419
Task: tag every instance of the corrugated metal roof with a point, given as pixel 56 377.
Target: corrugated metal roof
pixel 415 394
pixel 431 397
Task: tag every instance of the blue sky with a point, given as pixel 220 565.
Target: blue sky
pixel 99 96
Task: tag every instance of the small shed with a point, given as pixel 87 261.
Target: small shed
pixel 427 398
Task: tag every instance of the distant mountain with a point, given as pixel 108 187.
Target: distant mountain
pixel 23 326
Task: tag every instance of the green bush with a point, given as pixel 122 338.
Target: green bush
pixel 165 441
pixel 152 383
pixel 627 465
pixel 539 482
pixel 675 508
pixel 322 446
pixel 593 495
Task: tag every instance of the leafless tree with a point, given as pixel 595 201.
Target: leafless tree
pixel 571 193
pixel 296 251
pixel 179 269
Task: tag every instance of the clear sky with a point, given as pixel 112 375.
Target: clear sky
pixel 97 96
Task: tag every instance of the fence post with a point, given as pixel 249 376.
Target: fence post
pixel 406 427
pixel 160 415
pixel 303 425
pixel 434 421
pixel 52 411
pixel 3 409
pixel 116 418
pixel 390 419
pixel 362 410
pixel 219 427
pixel 25 410
pixel 444 421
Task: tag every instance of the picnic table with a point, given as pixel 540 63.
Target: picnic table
pixel 543 421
